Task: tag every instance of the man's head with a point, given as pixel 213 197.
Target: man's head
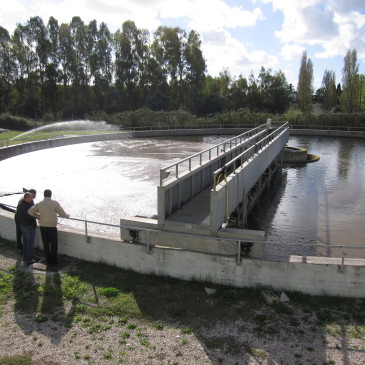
pixel 28 197
pixel 33 192
pixel 47 193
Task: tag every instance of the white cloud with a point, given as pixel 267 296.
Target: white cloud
pixel 335 25
pixel 112 12
pixel 292 51
pixel 13 13
pixel 222 51
pixel 212 15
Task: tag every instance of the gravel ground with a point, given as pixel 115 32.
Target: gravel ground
pixel 263 338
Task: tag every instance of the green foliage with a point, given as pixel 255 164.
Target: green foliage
pixel 109 292
pixel 5 283
pixel 41 318
pixel 230 295
pixel 72 287
pixel 324 316
pixel 260 318
pixel 16 360
pixel 305 84
pixel 8 121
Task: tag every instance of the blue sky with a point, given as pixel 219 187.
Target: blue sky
pixel 237 35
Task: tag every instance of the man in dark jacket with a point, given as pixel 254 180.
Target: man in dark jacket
pixel 19 232
pixel 28 226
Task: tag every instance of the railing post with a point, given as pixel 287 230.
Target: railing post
pixel 86 233
pixel 343 253
pixel 148 241
pixel 239 252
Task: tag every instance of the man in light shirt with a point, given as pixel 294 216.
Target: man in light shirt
pixel 48 211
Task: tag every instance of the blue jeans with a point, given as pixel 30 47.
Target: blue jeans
pixel 28 242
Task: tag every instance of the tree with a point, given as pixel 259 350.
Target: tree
pixel 25 58
pixel 361 92
pixel 195 69
pixel 168 48
pixel 329 92
pixel 254 96
pixel 275 91
pixel 7 70
pixel 238 93
pixel 52 72
pixel 126 64
pixel 305 84
pixel 101 66
pixel 350 82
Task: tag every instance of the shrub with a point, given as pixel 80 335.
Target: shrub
pixel 8 121
pixel 109 292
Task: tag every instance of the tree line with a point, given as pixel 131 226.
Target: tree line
pixel 349 98
pixel 60 71
pixel 71 70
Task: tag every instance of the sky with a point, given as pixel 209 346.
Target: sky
pixel 239 36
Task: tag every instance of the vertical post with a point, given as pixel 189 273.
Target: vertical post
pixel 239 252
pixel 343 253
pixel 148 241
pixel 86 234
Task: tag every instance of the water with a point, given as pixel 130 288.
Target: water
pixel 100 181
pixel 317 203
pixel 77 125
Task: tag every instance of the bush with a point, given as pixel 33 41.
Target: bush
pixel 8 121
pixel 109 292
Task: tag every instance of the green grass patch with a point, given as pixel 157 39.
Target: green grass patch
pixel 109 292
pixel 5 283
pixel 16 360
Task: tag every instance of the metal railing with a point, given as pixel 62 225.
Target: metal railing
pixel 328 128
pixel 239 244
pixel 187 163
pixel 246 155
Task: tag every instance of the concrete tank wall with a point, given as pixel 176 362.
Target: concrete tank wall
pixel 315 279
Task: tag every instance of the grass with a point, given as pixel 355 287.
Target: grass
pixel 6 137
pixel 100 300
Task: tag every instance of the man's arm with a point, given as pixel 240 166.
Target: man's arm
pixel 33 211
pixel 60 211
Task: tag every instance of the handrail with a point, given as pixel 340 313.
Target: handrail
pixel 327 127
pixel 220 149
pixel 305 245
pixel 248 153
pixel 234 241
